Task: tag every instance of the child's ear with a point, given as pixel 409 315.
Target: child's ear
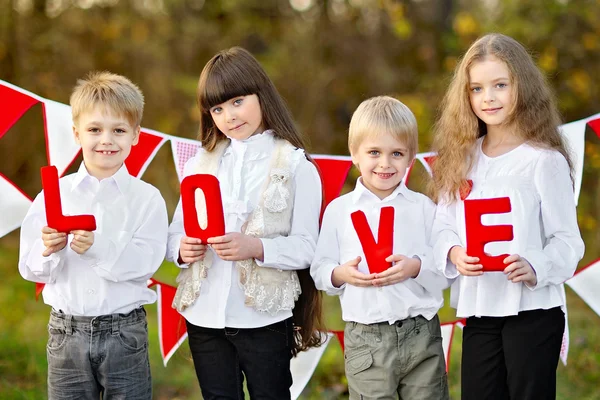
pixel 136 135
pixel 76 134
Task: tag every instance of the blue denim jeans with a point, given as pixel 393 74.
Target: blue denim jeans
pixel 262 355
pixel 90 356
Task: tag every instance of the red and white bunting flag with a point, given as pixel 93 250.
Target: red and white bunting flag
pixel 61 147
pixel 586 283
pixel 334 171
pixel 14 102
pixel 142 153
pixel 303 366
pixel 183 150
pixel 171 325
pixel 426 159
pixel 447 336
pixel 564 347
pixel 14 204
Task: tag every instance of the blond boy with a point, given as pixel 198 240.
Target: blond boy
pixel 96 282
pixel 392 337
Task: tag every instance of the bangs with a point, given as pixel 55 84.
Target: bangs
pixel 226 81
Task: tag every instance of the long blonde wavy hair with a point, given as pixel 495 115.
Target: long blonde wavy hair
pixel 534 115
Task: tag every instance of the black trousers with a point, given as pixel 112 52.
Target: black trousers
pixel 222 357
pixel 512 357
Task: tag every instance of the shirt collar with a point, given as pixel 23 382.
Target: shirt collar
pixel 121 178
pixel 256 146
pixel 361 192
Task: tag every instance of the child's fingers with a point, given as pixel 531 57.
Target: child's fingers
pixel 513 267
pixel 512 258
pixel 191 240
pixel 395 258
pixel 470 260
pixel 388 272
pixel 468 271
pixel 54 242
pixel 220 239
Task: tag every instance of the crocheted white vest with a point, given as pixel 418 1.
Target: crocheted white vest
pixel 266 289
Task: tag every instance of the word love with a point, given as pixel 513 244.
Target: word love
pixel 54 216
pixel 215 226
pixel 376 252
pixel 478 235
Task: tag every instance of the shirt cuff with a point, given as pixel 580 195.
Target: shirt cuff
pixel 537 262
pixel 445 265
pixel 269 253
pixel 420 276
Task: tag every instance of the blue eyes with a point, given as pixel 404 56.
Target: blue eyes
pixel 218 110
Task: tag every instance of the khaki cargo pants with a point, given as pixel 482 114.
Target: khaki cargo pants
pixel 405 359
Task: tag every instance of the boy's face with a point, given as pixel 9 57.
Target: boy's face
pixel 106 139
pixel 382 161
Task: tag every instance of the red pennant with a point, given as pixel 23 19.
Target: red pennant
pixel 595 125
pixel 171 325
pixel 38 290
pixel 340 337
pixel 13 105
pixel 376 253
pixel 142 153
pixel 465 189
pixel 333 173
pixel 478 234
pixel 54 215
pixel 214 206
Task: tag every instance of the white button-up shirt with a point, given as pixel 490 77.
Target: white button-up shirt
pixel 242 173
pixel 339 243
pixel 129 245
pixel 544 221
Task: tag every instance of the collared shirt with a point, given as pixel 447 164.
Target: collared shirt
pixel 339 243
pixel 544 221
pixel 129 245
pixel 242 173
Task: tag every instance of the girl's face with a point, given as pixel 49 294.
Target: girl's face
pixel 491 91
pixel 239 117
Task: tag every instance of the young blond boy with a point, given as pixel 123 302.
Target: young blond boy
pixel 96 282
pixel 393 344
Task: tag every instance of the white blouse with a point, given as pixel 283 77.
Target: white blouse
pixel 242 173
pixel 546 234
pixel 129 245
pixel 339 243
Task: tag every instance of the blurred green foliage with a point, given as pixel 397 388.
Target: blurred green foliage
pixel 325 57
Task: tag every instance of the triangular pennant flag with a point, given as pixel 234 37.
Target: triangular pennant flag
pixel 447 336
pixel 183 150
pixel 303 366
pixel 13 103
pixel 574 134
pixel 334 170
pixel 171 325
pixel 142 153
pixel 564 347
pixel 594 123
pixel 39 287
pixel 14 204
pixel 586 283
pixel 61 147
pixel 340 337
pixel 427 160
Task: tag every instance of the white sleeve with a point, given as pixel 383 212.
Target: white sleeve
pixel 563 246
pixel 32 265
pixel 444 237
pixel 296 251
pixel 327 254
pixel 123 256
pixel 429 277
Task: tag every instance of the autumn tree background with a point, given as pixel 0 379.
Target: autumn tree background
pixel 325 57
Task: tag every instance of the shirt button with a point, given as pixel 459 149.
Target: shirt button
pixel 91 291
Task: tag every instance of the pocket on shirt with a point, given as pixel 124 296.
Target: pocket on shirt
pixel 358 360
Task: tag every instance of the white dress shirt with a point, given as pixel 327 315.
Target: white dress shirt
pixel 242 173
pixel 129 245
pixel 339 243
pixel 544 221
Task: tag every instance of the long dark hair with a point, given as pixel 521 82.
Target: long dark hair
pixel 235 72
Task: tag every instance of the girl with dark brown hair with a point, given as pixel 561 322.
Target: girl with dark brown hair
pixel 248 298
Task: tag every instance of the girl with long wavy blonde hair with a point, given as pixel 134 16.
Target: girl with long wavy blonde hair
pixel 498 141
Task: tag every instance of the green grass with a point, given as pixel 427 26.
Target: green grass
pixel 23 338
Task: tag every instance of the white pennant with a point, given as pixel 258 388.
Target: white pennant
pixel 13 206
pixel 447 335
pixel 303 366
pixel 183 150
pixel 586 284
pixel 61 146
